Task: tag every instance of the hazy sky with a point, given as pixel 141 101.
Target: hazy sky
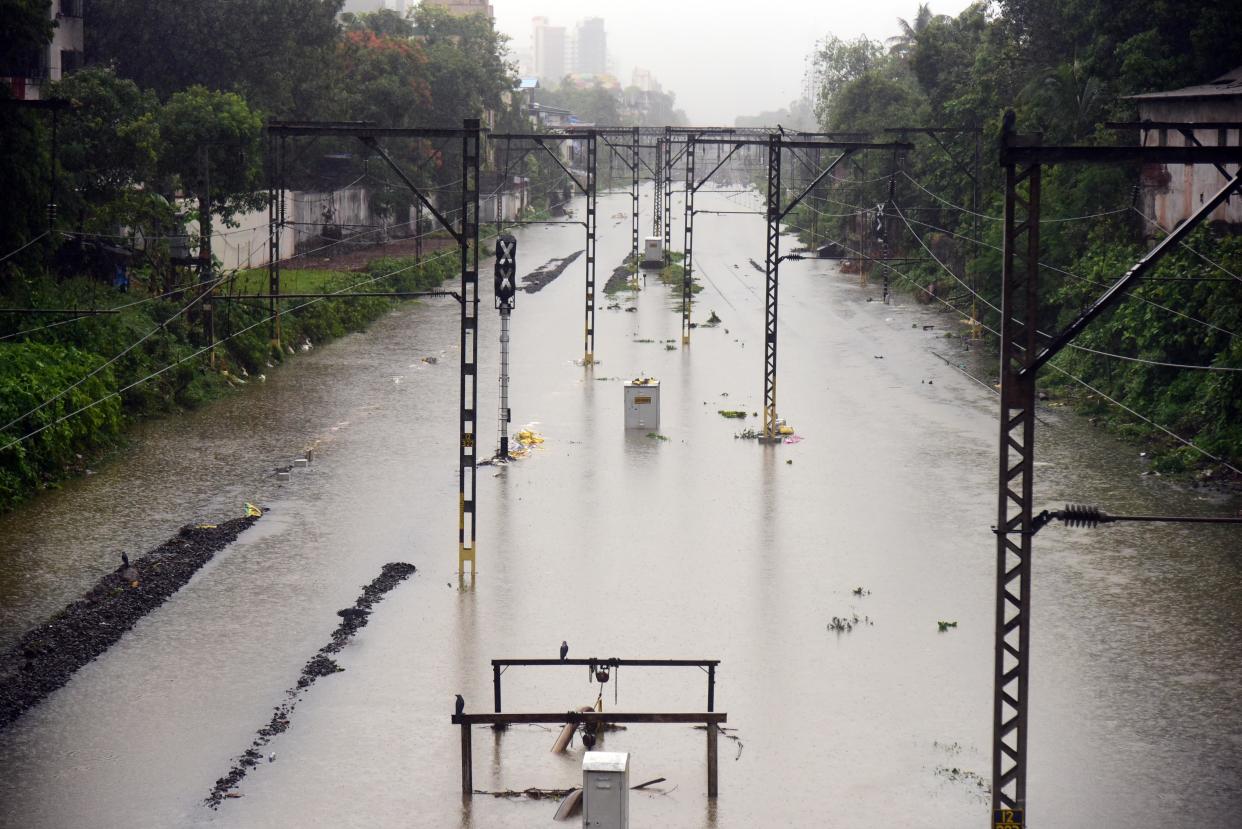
pixel 722 59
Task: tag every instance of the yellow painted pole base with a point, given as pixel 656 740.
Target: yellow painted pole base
pixel 588 359
pixel 465 554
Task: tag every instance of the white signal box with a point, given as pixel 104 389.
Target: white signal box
pixel 606 790
pixel 642 404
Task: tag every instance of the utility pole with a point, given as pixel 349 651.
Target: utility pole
pixel 687 262
pixel 506 277
pixel 635 242
pixel 276 222
pixel 1022 158
pixel 204 254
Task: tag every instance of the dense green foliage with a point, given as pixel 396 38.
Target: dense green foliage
pixel 165 127
pixel 274 52
pixel 100 372
pixel 1064 67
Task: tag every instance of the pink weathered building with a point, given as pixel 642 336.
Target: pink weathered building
pixel 1170 193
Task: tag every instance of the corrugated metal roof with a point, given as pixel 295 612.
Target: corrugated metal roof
pixel 1227 85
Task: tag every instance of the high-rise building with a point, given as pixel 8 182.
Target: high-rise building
pixel 591 47
pixel 548 46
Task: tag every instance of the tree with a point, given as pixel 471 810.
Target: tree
pixel 212 149
pixel 837 63
pixel 24 158
pixel 467 65
pixel 385 22
pixel 904 44
pixel 27 28
pixel 275 52
pixel 109 146
pixel 381 78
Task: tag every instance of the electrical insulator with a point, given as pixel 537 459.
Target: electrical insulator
pixel 1082 515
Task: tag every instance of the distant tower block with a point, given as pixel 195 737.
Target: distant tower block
pixel 642 404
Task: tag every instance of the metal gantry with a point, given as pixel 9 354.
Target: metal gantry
pixel 588 188
pixel 657 194
pixel 592 221
pixel 687 250
pixel 466 233
pixel 1023 157
pixel 771 264
pixel 631 159
pixel 775 213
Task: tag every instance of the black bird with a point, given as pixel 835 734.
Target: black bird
pixel 461 705
pixel 128 571
pixel 564 649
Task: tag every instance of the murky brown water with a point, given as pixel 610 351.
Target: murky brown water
pixel 700 546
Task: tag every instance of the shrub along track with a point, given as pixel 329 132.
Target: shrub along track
pixel 47 656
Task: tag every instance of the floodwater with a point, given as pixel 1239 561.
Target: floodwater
pixel 700 546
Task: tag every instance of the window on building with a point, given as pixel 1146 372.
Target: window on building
pixel 71 8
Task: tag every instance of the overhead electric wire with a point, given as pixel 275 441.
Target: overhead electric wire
pixel 1068 374
pixel 1165 230
pixel 206 348
pixel 161 327
pixel 23 247
pixel 1073 275
pixel 1054 220
pixel 1075 346
pixel 1148 420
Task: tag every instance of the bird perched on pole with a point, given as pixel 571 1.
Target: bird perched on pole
pixel 128 571
pixel 564 649
pixel 461 705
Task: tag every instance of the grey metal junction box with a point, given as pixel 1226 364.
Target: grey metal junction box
pixel 606 790
pixel 642 403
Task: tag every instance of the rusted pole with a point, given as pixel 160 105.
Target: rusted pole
pixel 467 770
pixel 711 759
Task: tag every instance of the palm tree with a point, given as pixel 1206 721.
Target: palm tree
pixel 903 45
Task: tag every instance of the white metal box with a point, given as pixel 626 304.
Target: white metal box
pixel 653 251
pixel 606 790
pixel 642 404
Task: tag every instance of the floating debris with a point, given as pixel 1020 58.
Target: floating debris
pixel 845 624
pixel 946 625
pixel 980 786
pixel 656 436
pixel 732 413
